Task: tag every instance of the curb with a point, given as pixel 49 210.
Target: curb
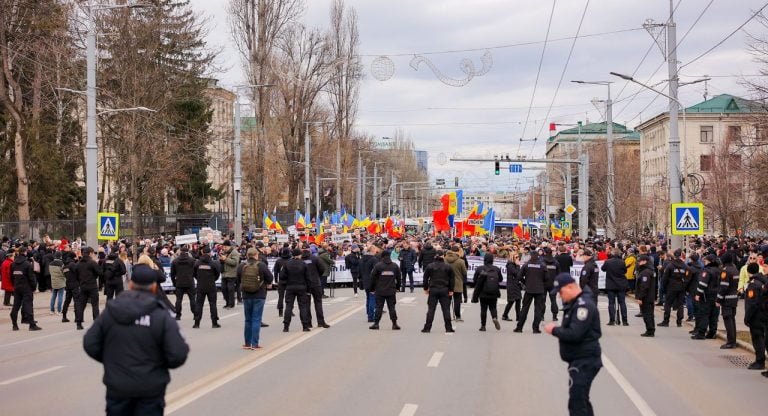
pixel 741 344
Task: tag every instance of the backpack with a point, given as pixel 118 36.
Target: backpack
pixel 251 278
pixel 491 286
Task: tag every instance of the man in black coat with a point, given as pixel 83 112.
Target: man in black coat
pixel 352 263
pixel 487 280
pixel 367 263
pixel 385 282
pixel 616 285
pixel 112 271
pixel 24 283
pixel 553 269
pixel 407 259
pixel 316 268
pixel 72 286
pixel 138 341
pixel 89 276
pixel 438 286
pixel 707 313
pixel 728 298
pixel 590 273
pixel 579 341
pixel 294 275
pixel 532 275
pixel 206 271
pixel 426 256
pixel 183 278
pixel 285 257
pixel 645 293
pixel 675 281
pixel 755 317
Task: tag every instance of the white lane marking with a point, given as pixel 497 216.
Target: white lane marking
pixel 641 405
pixel 230 315
pixel 409 299
pixel 435 360
pixel 272 302
pixel 35 339
pixel 409 409
pixel 339 300
pixel 30 375
pixel 194 391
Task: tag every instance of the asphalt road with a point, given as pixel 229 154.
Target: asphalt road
pixel 349 369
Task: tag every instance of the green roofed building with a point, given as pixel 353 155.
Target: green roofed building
pixel 708 129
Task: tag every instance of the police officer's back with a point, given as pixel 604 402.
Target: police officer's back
pixel 755 316
pixel 138 341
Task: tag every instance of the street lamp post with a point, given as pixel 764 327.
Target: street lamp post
pixel 238 171
pixel 91 148
pixel 610 229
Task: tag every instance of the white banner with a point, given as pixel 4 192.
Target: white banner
pixel 340 238
pixel 576 271
pixel 186 239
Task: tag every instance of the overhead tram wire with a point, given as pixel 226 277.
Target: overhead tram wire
pixel 511 45
pixel 648 52
pixel 538 74
pixel 562 75
pixel 715 46
pixel 695 22
pixel 641 89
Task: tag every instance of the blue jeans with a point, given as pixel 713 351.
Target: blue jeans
pixel 370 306
pixel 57 294
pixel 689 305
pixel 613 295
pixel 254 309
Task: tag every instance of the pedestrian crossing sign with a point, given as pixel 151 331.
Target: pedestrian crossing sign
pixel 109 225
pixel 687 219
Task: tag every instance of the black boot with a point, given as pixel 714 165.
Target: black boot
pixel 34 327
pixel 285 327
pixel 79 326
pixel 663 323
pixel 395 326
pixel 15 327
pixel 197 324
pixel 374 326
pixel 280 313
pixel 216 324
pixel 647 334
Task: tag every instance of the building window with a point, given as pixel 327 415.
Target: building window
pixel 707 134
pixel 705 163
pixel 734 133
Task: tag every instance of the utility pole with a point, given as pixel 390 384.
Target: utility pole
pixel 375 187
pixel 611 223
pixel 583 195
pixel 358 188
pixel 338 174
pixel 675 191
pixel 362 190
pixel 91 149
pixel 238 221
pixel 306 170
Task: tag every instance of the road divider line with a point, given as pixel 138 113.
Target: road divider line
pixel 191 392
pixel 435 360
pixel 409 299
pixel 409 409
pixel 31 375
pixel 640 403
pixel 36 338
pixel 230 315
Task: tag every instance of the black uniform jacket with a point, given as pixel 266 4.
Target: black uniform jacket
pixel 646 284
pixel 385 278
pixel 137 340
pixel 295 275
pixel 183 271
pixel 590 275
pixel 439 277
pixel 206 272
pixel 580 331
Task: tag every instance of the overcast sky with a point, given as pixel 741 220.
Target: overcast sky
pixel 487 115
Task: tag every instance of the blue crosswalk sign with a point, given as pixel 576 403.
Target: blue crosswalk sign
pixel 109 225
pixel 687 219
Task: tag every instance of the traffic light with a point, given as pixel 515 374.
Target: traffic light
pixel 497 171
pixel 561 214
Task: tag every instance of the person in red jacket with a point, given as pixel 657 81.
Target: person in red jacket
pixel 7 281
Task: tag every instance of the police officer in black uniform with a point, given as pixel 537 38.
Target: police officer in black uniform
pixel 138 341
pixel 438 285
pixel 590 273
pixel 675 281
pixel 206 272
pixel 579 345
pixel 295 276
pixel 553 269
pixel 183 279
pixel 71 284
pixel 112 271
pixel 316 269
pixel 89 276
pixel 728 298
pixel 755 317
pixel 532 274
pixel 385 282
pixel 645 293
pixel 707 313
pixel 24 284
pixel 285 257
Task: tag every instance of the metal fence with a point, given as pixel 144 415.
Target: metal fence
pixel 151 226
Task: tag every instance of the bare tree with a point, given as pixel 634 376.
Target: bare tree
pixel 256 26
pixel 346 74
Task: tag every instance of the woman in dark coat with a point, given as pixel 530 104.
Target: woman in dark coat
pixel 514 288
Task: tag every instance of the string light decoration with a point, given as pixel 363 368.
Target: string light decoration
pixel 382 68
pixel 466 66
